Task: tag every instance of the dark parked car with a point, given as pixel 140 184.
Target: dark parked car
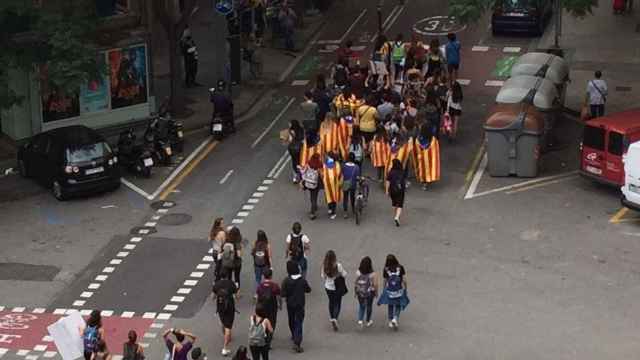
pixel 524 16
pixel 70 160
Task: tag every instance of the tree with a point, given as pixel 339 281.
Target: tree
pixel 174 16
pixel 469 11
pixel 59 37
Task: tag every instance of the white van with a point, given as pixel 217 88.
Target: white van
pixel 631 188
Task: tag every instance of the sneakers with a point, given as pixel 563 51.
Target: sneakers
pixel 334 324
pixel 397 222
pixel 360 324
pixel 345 216
pixel 312 216
pixel 369 323
pixel 394 323
pixel 390 324
pixel 425 187
pixel 298 349
pixel 225 352
pixel 332 216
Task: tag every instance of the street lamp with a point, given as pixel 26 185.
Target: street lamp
pixel 379 10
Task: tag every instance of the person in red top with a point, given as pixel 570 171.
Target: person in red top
pixel 268 293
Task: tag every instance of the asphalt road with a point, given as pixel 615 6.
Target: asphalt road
pixel 514 270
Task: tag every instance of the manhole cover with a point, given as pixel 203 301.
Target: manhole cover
pixel 27 272
pixel 143 230
pixel 175 219
pixel 162 205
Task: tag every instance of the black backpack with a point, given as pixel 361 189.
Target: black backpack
pixel 266 297
pixel 296 247
pixel 224 300
pixel 340 76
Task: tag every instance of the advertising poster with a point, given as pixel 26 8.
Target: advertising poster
pixel 94 97
pixel 128 76
pixel 55 104
pixel 66 335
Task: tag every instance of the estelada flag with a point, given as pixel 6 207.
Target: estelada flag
pixel 379 152
pixel 307 152
pixel 427 155
pixel 346 132
pixel 332 180
pixel 330 136
pixel 401 152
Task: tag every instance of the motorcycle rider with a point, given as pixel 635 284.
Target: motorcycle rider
pixel 223 106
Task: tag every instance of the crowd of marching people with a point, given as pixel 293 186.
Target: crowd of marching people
pixel 385 115
pixel 392 112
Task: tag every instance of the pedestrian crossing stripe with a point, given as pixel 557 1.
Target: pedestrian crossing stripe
pixel 299 82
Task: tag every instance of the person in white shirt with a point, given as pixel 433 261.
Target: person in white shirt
pixel 298 248
pixel 334 283
pixel 597 92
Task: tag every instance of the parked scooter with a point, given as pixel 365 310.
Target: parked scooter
pixel 162 151
pixel 171 128
pixel 222 121
pixel 134 157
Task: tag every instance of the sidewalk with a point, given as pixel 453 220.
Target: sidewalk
pixel 606 42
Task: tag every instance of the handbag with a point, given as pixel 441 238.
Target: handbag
pixel 341 285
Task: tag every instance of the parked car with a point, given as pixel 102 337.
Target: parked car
pixel 70 160
pixel 605 140
pixel 631 188
pixel 522 16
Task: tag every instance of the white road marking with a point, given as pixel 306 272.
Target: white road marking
pixel 108 206
pixel 237 221
pixel 150 224
pixel 163 316
pixel 163 211
pixel 226 177
pixel 522 188
pixel 393 12
pixel 511 49
pixel 149 315
pixel 179 169
pixel 47 338
pixel 150 335
pixel 122 254
pixel 135 239
pixel 155 218
pixel 106 313
pixel 170 307
pixel 115 262
pixel 299 58
pixel 156 326
pixel 133 187
pixel 59 311
pixel 183 291
pixel 190 282
pixel 31 357
pixel 257 194
pixel 284 165
pixel 203 266
pixel 268 181
pixel 86 294
pixel 346 33
pixel 37 310
pixel 129 246
pixel 196 274
pixel 476 178
pixel 248 207
pixel 177 299
pixel 275 120
pixel 277 165
pixel 263 188
pixel 18 309
pixel 525 183
pixel 395 17
pixel 242 214
pixel 253 201
pixel 49 354
pixel 144 231
pixel 101 278
pixel 464 82
pixel 480 48
pixel 299 82
pixel 22 352
pixel 128 314
pixel 93 286
pixel 496 83
pixel 207 258
pixel 85 312
pixel 108 269
pixel 40 348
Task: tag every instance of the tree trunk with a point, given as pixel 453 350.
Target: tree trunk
pixel 177 102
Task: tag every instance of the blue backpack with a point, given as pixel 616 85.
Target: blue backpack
pixel 394 284
pixel 90 339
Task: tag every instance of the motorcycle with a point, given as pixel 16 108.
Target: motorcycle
pixel 172 129
pixel 222 123
pixel 162 151
pixel 217 127
pixel 135 158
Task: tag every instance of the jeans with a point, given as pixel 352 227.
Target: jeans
pixel 393 312
pixel 302 264
pixel 258 271
pixel 597 110
pixel 288 39
pixel 295 161
pixel 335 303
pixel 313 197
pixel 346 196
pixel 296 318
pixel 259 352
pixel 365 305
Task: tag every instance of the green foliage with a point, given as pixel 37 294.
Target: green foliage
pixel 60 38
pixel 470 11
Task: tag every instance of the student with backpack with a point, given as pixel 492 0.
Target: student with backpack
pixel 357 148
pixel 232 260
pixel 224 292
pixel 261 254
pixel 298 248
pixel 269 297
pixel 350 175
pixel 179 349
pixel 312 182
pixel 398 56
pixel 131 350
pixel 365 290
pixel 396 186
pixel 294 289
pixel 394 294
pixel 92 333
pixel 217 238
pixel 334 275
pixel 259 331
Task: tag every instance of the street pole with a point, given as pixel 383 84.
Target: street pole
pixel 380 3
pixel 558 24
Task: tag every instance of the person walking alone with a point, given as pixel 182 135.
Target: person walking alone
pixel 224 293
pixel 258 333
pixel 312 182
pixel 261 254
pixel 396 186
pixel 294 289
pixel 597 92
pixel 287 19
pixel 365 290
pixel 234 237
pixel 333 275
pixel 394 294
pixel 269 297
pixel 452 52
pixel 298 246
pixel 332 181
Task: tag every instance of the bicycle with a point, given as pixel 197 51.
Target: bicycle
pixel 362 197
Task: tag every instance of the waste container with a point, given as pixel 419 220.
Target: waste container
pixel 514 133
pixel 545 65
pixel 540 92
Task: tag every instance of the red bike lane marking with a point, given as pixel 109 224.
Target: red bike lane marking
pixel 27 331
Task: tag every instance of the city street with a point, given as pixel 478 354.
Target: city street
pixel 497 268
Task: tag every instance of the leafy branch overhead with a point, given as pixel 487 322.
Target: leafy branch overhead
pixel 60 37
pixel 470 11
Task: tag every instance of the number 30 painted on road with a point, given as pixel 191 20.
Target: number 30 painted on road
pixel 438 25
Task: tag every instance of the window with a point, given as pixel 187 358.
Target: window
pixel 593 137
pixel 86 153
pixel 616 142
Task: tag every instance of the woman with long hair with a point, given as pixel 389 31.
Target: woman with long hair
pixel 217 238
pixel 260 324
pixel 365 290
pixel 454 106
pixel 312 181
pixel 396 186
pixel 261 253
pixel 394 294
pixel 332 270
pixel 131 350
pixel 92 333
pixel 235 238
pixel 295 140
pixel 426 151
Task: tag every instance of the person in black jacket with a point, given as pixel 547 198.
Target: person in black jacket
pixel 294 288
